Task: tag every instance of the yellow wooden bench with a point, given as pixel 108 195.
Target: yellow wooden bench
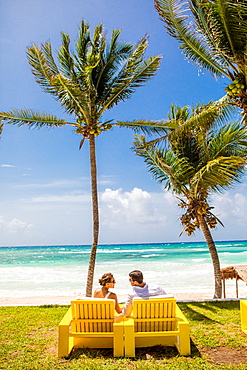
pixel 243 315
pixel 91 323
pixel 156 321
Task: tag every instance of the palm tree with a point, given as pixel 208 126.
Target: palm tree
pixel 213 34
pixel 194 162
pixel 87 82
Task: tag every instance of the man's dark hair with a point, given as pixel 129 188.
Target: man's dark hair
pixel 136 275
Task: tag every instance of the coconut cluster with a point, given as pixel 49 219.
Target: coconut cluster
pixel 95 129
pixel 194 209
pixel 235 88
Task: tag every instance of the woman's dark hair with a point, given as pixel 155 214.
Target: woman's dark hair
pixel 136 275
pixel 106 278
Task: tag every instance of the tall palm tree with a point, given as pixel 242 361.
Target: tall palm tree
pixel 213 34
pixel 87 81
pixel 194 162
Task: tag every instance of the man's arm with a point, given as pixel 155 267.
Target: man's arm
pixel 127 308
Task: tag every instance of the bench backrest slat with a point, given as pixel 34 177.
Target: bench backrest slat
pixel 153 309
pixel 92 315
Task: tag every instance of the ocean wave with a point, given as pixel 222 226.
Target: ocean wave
pixel 223 245
pixel 233 253
pixel 151 255
pixel 198 259
pixel 74 252
pixel 129 250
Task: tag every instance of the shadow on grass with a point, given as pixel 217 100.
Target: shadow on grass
pixel 193 315
pixel 156 352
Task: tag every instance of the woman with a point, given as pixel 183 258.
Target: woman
pixel 107 281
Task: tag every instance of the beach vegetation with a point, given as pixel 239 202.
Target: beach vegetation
pixel 29 341
pixel 196 159
pixel 212 34
pixel 87 81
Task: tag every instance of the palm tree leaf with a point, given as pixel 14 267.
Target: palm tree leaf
pixel 231 140
pixel 178 24
pixel 229 27
pixel 47 52
pixel 43 70
pixel 128 80
pixel 70 96
pixel 219 173
pixel 112 58
pixel 145 127
pixel 31 118
pixel 163 164
pixel 83 41
pixel 66 61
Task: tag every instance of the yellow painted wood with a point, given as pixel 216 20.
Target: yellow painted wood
pixel 87 321
pixel 156 321
pixel 243 315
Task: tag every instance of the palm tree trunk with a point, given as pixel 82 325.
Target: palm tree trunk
pixel 214 256
pixel 95 207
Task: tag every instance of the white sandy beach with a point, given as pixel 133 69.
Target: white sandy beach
pixel 65 300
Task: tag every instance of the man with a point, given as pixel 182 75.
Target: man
pixel 140 289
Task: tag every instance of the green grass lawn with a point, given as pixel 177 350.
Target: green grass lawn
pixel 28 341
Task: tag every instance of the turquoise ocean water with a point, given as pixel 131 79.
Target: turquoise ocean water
pixel 62 270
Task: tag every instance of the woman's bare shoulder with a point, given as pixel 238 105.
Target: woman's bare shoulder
pixel 113 295
pixel 97 292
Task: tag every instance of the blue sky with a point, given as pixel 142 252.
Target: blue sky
pixel 45 184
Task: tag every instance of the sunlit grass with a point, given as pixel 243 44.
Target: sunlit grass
pixel 28 339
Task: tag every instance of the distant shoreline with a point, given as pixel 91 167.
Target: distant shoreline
pixel 65 300
pixel 116 244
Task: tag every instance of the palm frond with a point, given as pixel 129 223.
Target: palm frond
pixel 230 24
pixel 112 57
pixel 43 70
pixel 145 127
pixel 71 96
pixel 219 173
pixel 163 164
pixel 176 16
pixel 47 52
pixel 83 42
pixel 129 79
pixel 201 118
pixel 31 118
pixel 66 61
pixel 231 140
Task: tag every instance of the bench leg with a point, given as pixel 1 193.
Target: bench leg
pixel 184 339
pixel 129 337
pixel 65 342
pixel 118 339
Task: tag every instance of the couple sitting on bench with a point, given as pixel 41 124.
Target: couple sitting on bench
pixel 140 289
pixel 149 317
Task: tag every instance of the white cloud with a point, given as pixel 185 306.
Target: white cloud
pixel 135 207
pixel 71 198
pixel 52 184
pixel 240 206
pixel 64 183
pixel 105 180
pixel 15 226
pixel 6 165
pixel 230 206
